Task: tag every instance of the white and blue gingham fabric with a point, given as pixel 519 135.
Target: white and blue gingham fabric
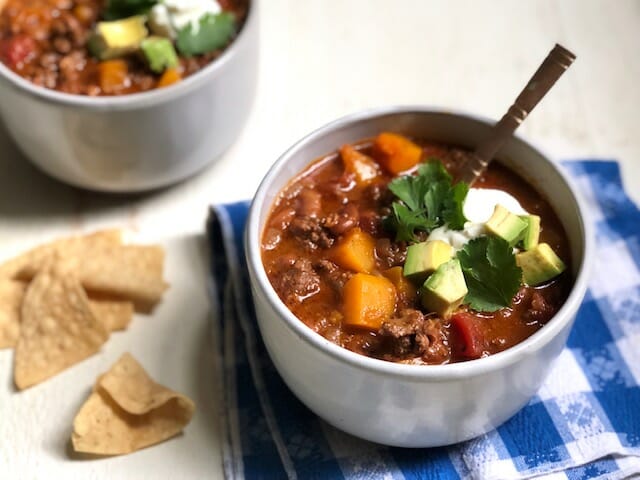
pixel 584 423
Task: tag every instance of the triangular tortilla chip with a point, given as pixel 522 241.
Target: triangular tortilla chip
pixel 25 266
pixel 128 411
pixel 102 264
pixel 114 314
pixel 11 296
pixel 132 272
pixel 58 328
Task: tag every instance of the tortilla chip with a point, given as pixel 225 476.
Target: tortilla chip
pixel 58 328
pixel 103 264
pixel 11 295
pixel 128 411
pixel 10 269
pixel 114 314
pixel 27 265
pixel 132 272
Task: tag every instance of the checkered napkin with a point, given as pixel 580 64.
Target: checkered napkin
pixel 583 423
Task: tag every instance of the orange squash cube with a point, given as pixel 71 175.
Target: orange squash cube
pixel 355 251
pixel 368 300
pixel 396 153
pixel 364 168
pixel 113 75
pixel 169 77
pixel 404 287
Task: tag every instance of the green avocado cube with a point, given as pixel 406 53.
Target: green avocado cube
pixel 506 225
pixel 531 234
pixel 118 38
pixel 425 257
pixel 444 291
pixel 540 264
pixel 159 53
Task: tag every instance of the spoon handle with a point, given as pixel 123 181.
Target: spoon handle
pixel 551 69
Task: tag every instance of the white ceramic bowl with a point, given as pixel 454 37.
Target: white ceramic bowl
pixel 141 141
pixel 409 405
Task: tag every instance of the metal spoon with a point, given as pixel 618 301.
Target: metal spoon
pixel 551 69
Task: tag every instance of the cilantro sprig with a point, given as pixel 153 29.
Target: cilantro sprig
pixel 427 200
pixel 490 272
pixel 213 32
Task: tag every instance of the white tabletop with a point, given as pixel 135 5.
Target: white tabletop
pixel 319 60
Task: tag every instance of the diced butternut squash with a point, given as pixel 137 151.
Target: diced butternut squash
pixel 405 288
pixel 113 75
pixel 85 13
pixel 396 153
pixel 368 301
pixel 169 77
pixel 355 252
pixel 363 167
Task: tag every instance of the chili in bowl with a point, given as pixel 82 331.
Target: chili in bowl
pixel 399 305
pixel 93 47
pixel 80 82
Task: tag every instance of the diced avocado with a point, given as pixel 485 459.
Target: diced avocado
pixel 159 53
pixel 531 234
pixel 539 264
pixel 118 38
pixel 445 289
pixel 424 258
pixel 506 225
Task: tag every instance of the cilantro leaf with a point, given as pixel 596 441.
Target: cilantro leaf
pixel 117 9
pixel 406 189
pixel 213 32
pixel 427 201
pixel 433 171
pixel 452 213
pixel 490 271
pixel 435 199
pixel 408 221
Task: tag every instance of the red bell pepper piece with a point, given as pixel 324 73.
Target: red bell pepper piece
pixel 470 341
pixel 17 50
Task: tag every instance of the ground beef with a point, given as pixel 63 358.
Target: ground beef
pixel 343 220
pixel 67 31
pixel 413 334
pixel 432 342
pixel 310 233
pixel 296 280
pixel 390 254
pixel 334 275
pixel 407 323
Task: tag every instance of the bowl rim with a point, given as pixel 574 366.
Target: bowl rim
pixel 445 372
pixel 135 100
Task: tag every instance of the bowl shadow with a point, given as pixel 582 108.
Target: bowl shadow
pixel 27 192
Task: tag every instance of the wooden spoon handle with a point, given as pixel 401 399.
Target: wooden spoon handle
pixel 556 63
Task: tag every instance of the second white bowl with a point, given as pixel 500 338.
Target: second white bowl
pixel 140 141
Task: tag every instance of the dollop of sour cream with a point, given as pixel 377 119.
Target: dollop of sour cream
pixel 478 208
pixel 480 203
pixel 457 238
pixel 168 17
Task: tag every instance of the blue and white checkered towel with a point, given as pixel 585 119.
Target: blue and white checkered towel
pixel 583 423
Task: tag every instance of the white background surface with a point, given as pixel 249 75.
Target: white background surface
pixel 320 59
